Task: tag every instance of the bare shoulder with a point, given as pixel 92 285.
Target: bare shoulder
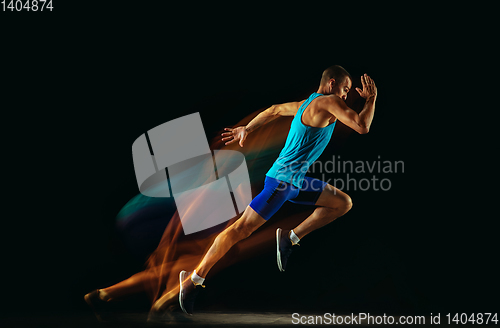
pixel 296 106
pixel 329 100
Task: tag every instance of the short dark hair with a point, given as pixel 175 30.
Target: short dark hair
pixel 336 72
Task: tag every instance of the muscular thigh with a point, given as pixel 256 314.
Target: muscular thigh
pixel 333 197
pixel 270 200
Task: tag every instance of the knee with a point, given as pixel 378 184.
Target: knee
pixel 345 204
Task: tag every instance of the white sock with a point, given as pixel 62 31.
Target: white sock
pixel 197 279
pixel 293 237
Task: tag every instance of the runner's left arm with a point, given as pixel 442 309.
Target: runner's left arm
pixel 240 133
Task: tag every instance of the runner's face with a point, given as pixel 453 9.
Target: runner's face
pixel 342 89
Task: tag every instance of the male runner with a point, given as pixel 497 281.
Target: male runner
pixel 310 131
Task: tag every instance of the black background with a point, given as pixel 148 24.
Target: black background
pixel 81 83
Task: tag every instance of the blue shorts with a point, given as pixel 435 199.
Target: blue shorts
pixel 277 192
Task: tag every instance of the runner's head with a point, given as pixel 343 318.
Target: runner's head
pixel 336 80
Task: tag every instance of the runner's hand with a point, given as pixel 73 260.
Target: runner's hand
pixel 237 134
pixel 369 87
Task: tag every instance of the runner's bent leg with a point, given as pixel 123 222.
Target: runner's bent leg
pixel 332 203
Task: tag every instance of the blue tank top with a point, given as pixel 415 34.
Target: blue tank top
pixel 303 146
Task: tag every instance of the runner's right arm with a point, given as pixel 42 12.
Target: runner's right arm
pixel 240 133
pixel 358 122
